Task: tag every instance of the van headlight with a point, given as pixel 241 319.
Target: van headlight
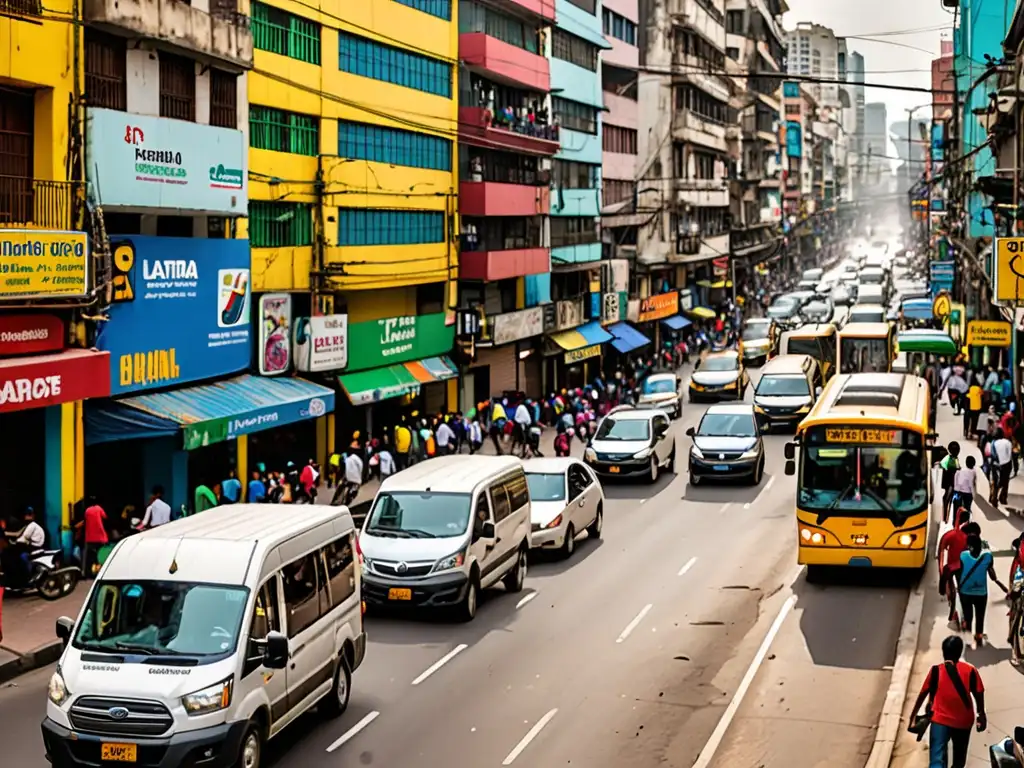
pixel 751 454
pixel 590 454
pixel 696 452
pixel 642 454
pixel 56 690
pixel 450 562
pixel 212 699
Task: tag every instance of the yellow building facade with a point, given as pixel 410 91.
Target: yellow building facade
pixel 353 160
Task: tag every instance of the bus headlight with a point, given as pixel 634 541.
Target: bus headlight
pixel 906 539
pixel 812 537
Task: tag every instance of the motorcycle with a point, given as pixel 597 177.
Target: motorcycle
pixel 1008 753
pixel 49 576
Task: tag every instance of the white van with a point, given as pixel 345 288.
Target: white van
pixel 203 638
pixel 444 529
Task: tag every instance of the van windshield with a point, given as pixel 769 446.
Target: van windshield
pixel 162 618
pixel 413 515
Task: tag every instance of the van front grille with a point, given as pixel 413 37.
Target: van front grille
pixel 120 717
pixel 402 570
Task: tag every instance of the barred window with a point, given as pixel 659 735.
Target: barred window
pixel 223 99
pixel 442 9
pixel 106 70
pixel 367 58
pixel 575 116
pixel 364 226
pixel 701 104
pixel 474 17
pixel 575 50
pixel 615 191
pixel 281 131
pixel 280 225
pixel 614 138
pixel 573 231
pixel 618 26
pixel 569 175
pixel 285 33
pixel 177 87
pixel 394 146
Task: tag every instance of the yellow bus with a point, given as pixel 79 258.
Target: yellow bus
pixel 817 340
pixel 864 482
pixel 866 348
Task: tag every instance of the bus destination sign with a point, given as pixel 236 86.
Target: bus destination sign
pixel 876 436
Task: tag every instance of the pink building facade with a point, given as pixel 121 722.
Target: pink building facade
pixel 619 137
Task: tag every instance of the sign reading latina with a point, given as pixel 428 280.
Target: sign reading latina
pixel 36 263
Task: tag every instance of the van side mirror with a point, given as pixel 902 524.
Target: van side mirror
pixel 690 432
pixel 63 629
pixel 790 467
pixel 790 451
pixel 275 651
pixel 487 530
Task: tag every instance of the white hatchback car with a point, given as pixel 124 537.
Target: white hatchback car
pixel 565 498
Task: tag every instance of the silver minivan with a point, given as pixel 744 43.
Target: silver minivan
pixel 444 529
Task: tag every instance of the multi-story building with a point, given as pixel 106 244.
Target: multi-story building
pixel 943 82
pixel 874 157
pixel 815 50
pixel 855 122
pixel 619 126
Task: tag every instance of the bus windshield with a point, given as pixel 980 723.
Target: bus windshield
pixel 861 355
pixel 863 481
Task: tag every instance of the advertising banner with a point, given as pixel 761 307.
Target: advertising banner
pixel 181 312
pixel 321 343
pixel 657 307
pixel 205 433
pixel 35 382
pixel 30 334
pixel 515 326
pixel 1008 270
pixel 989 333
pixel 273 354
pixel 570 314
pixel 391 340
pixel 38 264
pixel 138 161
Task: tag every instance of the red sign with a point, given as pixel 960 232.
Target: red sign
pixel 35 382
pixel 30 334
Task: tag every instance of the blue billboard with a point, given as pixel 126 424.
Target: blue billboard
pixel 180 311
pixel 794 139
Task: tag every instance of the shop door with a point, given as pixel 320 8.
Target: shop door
pixel 481 383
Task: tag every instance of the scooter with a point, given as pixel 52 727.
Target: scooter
pixel 48 576
pixel 1008 753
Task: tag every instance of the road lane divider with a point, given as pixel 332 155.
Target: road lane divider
pixel 688 566
pixel 440 663
pixel 529 737
pixel 634 623
pixel 353 731
pixel 708 753
pixel 527 598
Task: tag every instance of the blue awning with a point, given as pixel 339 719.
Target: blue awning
pixel 594 333
pixel 208 413
pixel 676 322
pixel 627 338
pixel 917 309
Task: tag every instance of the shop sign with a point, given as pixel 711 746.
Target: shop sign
pixel 321 343
pixel 611 309
pixel 720 267
pixel 550 317
pixel 942 306
pixel 570 314
pixel 274 353
pixel 36 382
pixel 658 307
pixel 1008 270
pixel 515 326
pixel 577 355
pixel 686 300
pixel 140 161
pixel 989 333
pixel 30 334
pixel 391 340
pixel 205 433
pixel 180 312
pixel 39 264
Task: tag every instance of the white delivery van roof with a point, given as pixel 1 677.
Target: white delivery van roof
pixel 219 546
pixel 450 474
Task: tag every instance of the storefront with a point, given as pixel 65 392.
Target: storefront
pixel 396 366
pixel 573 357
pixel 652 309
pixel 507 358
pixel 177 321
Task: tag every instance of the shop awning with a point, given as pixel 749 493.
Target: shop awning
pixel 703 312
pixel 395 380
pixel 585 336
pixel 209 413
pixel 627 338
pixel 676 322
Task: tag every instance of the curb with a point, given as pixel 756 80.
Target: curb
pixel 888 729
pixel 45 654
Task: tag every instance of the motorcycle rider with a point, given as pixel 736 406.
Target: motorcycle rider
pixel 17 563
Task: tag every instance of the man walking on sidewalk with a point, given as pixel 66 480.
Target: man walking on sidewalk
pixel 949 706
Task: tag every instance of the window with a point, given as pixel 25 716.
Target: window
pixel 341 569
pixel 393 146
pixel 363 226
pixel 579 481
pixel 106 78
pixel 223 99
pixel 590 6
pixel 569 175
pixel 281 131
pixel 440 8
pixel 734 22
pixel 302 593
pixel 701 104
pixel 618 26
pixel 615 191
pixel 575 116
pixel 617 139
pixel 366 58
pixel 502 167
pixel 500 503
pixel 175 226
pixel 280 225
pixel 572 231
pixel 177 87
pixel 573 49
pixel 479 18
pixel 733 53
pixel 501 233
pixel 518 492
pixel 285 33
pixel 21 7
pixel 264 621
pixel 693 45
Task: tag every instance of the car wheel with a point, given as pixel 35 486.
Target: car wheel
pixel 569 545
pixel 653 478
pixel 515 578
pixel 758 472
pixel 336 702
pixel 250 754
pixel 467 608
pixel 594 529
pixel 671 466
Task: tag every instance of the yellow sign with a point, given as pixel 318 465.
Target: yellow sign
pixel 1008 269
pixel 42 264
pixel 585 353
pixel 989 333
pixel 845 435
pixel 942 306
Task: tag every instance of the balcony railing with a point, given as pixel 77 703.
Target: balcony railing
pixel 36 203
pixel 21 8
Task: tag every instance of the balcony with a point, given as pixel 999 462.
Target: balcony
pixel 501 265
pixel 702 193
pixel 713 85
pixel 508 62
pixel 702 17
pixel 477 126
pixel 545 9
pixel 693 248
pixel 35 203
pixel 219 31
pixel 489 198
pixel 695 129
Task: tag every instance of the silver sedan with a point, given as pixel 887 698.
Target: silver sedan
pixel 566 498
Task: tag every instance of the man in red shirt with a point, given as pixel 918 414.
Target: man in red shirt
pixel 949 688
pixel 952 543
pixel 95 534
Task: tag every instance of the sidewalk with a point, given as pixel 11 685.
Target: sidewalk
pixel 29 639
pixel 1003 684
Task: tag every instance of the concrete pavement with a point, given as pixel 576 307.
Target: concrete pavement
pixel 685 634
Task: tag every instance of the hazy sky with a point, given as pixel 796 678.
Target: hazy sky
pixel 869 18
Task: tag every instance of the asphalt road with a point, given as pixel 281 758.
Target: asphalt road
pixel 648 648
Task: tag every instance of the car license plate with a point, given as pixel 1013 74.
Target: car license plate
pixel 119 753
pixel 397 593
pixel 613 470
pixel 721 467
